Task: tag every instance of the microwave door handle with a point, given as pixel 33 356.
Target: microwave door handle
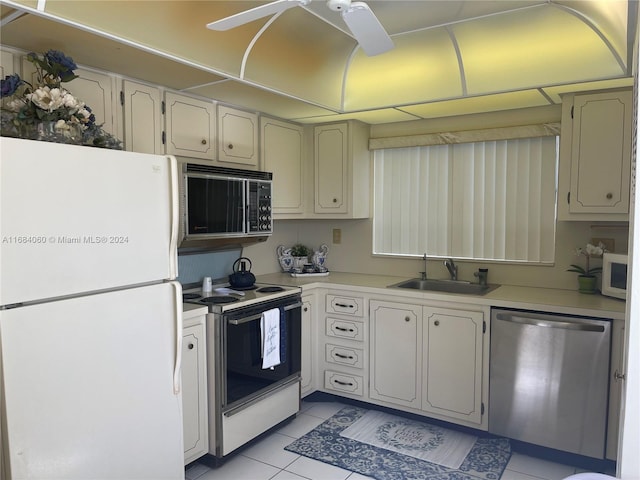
pixel 258 316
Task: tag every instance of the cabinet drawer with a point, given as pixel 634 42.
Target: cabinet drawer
pixel 352 330
pixel 345 305
pixel 352 357
pixel 343 382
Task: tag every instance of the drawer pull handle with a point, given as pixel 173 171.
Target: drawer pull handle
pixel 346 384
pixel 340 355
pixel 342 329
pixel 343 305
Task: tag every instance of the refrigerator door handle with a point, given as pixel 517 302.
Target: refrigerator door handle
pixel 175 216
pixel 177 289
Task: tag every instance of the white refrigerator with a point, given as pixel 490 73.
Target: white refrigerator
pixel 90 314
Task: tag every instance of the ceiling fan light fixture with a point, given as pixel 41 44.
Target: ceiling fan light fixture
pixel 338 5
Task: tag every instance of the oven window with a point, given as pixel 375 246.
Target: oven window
pixel 245 376
pixel 215 205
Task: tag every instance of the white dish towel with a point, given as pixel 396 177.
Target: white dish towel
pixel 270 334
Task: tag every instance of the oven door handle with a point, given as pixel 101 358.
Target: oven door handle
pixel 240 321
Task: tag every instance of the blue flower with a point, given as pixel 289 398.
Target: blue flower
pixel 10 84
pixel 62 65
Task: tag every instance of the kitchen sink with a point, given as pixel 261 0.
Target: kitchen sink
pixel 448 286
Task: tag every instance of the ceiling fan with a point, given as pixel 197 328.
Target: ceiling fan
pixel 361 21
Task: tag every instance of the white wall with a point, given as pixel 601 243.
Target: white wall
pixel 354 254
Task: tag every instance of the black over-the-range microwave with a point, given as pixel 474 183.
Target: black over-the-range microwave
pixel 221 206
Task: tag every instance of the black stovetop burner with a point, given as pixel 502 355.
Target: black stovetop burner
pixel 272 289
pixel 190 296
pixel 219 299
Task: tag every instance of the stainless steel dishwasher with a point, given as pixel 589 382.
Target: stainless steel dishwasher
pixel 548 380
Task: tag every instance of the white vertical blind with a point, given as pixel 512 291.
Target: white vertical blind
pixel 490 200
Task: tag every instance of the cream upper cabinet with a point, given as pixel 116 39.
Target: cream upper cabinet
pixel 97 90
pixel 7 66
pixel 452 363
pixel 190 126
pixel 142 107
pixel 282 149
pixel 194 390
pixel 238 138
pixel 395 345
pixel 341 170
pixel 595 156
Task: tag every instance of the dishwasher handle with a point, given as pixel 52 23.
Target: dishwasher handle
pixel 539 322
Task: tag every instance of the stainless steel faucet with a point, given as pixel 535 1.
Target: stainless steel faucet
pixel 423 275
pixel 452 267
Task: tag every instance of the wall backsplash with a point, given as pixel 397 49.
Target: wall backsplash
pixel 194 267
pixel 353 254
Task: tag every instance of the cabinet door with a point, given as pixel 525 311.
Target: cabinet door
pixel 452 381
pixel 331 168
pixel 142 118
pixel 97 90
pixel 306 383
pixel 282 155
pixel 395 366
pixel 601 153
pixel 194 395
pixel 6 65
pixel 190 126
pixel 237 136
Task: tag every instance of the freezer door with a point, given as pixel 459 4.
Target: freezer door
pixel 89 387
pixel 78 219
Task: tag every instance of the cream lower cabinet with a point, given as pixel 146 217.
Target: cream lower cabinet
pixel 428 359
pixel 308 343
pixel 452 342
pixel 194 390
pixel 396 349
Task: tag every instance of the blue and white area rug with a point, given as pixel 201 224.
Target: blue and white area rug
pixel 486 458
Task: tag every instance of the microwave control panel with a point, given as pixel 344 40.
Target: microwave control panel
pixel 259 207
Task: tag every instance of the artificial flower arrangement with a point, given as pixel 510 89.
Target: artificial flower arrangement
pixel 588 252
pixel 26 107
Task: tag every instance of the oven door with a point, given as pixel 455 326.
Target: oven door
pixel 245 379
pixel 215 205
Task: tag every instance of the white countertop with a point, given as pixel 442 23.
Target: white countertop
pixel 508 296
pixel 192 310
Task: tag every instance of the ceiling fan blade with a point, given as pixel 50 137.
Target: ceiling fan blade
pixel 367 29
pixel 254 14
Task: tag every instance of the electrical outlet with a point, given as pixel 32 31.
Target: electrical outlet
pixel 337 236
pixel 609 243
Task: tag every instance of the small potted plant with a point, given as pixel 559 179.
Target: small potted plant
pixel 587 275
pixel 300 254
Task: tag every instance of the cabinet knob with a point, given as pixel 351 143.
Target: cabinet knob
pixel 203 141
pixel 407 319
pixel 190 346
pixel 305 309
pixel 335 200
pixel 436 323
pixel 609 196
pixel 230 146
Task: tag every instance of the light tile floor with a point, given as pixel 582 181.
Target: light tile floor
pixel 268 460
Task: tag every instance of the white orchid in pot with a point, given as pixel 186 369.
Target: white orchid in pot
pixel 587 274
